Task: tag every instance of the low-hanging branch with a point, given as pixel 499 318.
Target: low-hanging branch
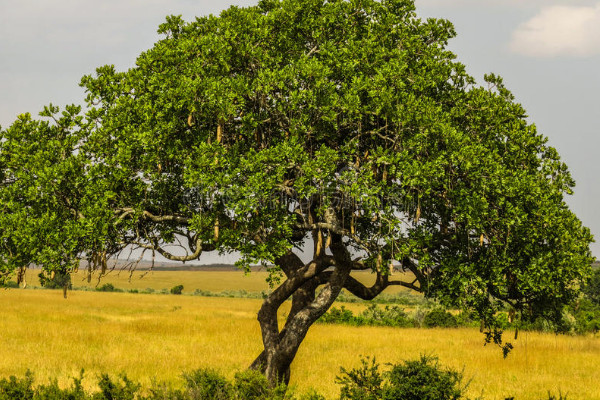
pixel 155 246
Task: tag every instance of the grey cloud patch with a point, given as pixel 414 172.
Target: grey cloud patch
pixel 514 4
pixel 47 46
pixel 559 31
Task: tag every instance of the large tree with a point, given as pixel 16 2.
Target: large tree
pixel 339 131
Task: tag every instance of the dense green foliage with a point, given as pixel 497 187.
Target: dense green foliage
pixel 178 289
pixel 108 287
pixel 55 280
pixel 345 126
pixel 374 316
pixel 421 379
pixel 580 317
pixel 592 288
pixel 198 385
pixel 395 316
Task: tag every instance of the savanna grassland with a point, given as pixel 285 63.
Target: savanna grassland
pixel 155 337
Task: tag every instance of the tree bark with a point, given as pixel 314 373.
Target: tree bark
pixel 280 347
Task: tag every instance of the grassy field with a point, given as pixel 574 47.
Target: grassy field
pixel 213 281
pixel 156 337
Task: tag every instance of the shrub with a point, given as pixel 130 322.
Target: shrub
pixel 363 383
pixel 163 392
pixel 592 288
pixel 111 390
pixel 22 389
pixel 312 395
pixel 9 285
pixel 469 319
pixel 177 289
pixel 206 384
pixel 339 316
pixel 56 280
pixel 252 385
pixel 421 379
pixel 373 315
pixel 438 317
pixel 587 316
pixel 53 392
pixel 388 316
pixel 107 287
pixel 15 388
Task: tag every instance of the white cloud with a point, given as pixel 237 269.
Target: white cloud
pixel 518 4
pixel 559 31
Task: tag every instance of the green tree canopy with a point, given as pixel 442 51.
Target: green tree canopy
pixel 345 126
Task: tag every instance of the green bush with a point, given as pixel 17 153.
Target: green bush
pixel 111 390
pixel 587 316
pixel 58 280
pixel 22 389
pixel 53 392
pixel 388 316
pixel 339 316
pixel 363 383
pixel 9 285
pixel 439 318
pixel 469 319
pixel 164 392
pixel 312 395
pixel 592 288
pixel 108 287
pixel 15 388
pixel 177 289
pixel 373 316
pixel 206 384
pixel 252 385
pixel 421 379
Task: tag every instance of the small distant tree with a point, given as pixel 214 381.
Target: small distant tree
pixel 56 280
pixel 344 128
pixel 178 289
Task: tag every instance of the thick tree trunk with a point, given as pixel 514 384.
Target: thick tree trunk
pixel 279 363
pixel 280 347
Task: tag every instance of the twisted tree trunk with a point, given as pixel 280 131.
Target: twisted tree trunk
pixel 280 347
pixel 330 273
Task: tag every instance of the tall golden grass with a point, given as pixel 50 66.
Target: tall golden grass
pixel 157 337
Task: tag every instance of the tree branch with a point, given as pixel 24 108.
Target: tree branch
pixel 126 212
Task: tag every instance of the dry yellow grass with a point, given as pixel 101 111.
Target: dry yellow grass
pixel 214 281
pixel 158 336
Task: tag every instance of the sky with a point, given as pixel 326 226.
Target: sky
pixel 547 51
